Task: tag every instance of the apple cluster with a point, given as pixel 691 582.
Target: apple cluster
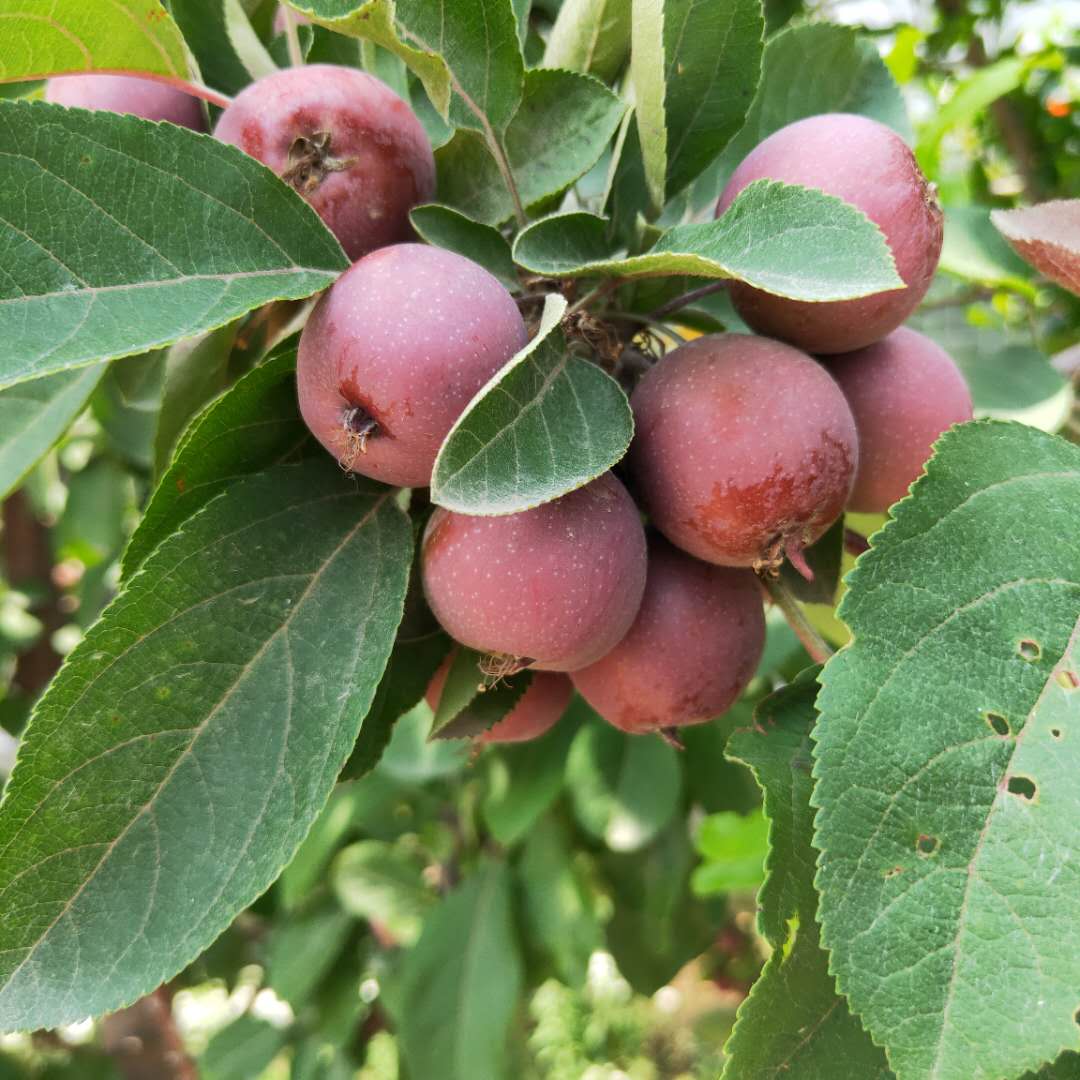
pixel 637 590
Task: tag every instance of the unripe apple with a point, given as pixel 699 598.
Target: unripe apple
pixel 343 140
pixel 870 166
pixel 394 352
pixel 553 588
pixel 904 392
pixel 695 644
pixel 745 449
pixel 148 98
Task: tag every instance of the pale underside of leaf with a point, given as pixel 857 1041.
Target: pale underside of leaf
pixel 1048 237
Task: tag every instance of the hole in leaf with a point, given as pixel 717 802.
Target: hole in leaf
pixel 1023 786
pixel 1069 679
pixel 998 723
pixel 927 845
pixel 1056 732
pixel 1029 650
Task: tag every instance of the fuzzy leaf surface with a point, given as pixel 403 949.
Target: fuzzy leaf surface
pixel 177 761
pixel 1048 237
pixel 946 764
pixel 788 240
pixel 546 423
pixel 564 123
pixel 95 265
pixel 254 424
pixel 66 36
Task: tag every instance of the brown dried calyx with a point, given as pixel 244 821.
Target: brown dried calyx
pixel 359 426
pixel 498 666
pixel 310 162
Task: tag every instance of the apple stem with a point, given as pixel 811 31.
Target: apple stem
pixel 815 645
pixel 688 298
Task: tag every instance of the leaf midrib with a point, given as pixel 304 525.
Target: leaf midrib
pixel 196 733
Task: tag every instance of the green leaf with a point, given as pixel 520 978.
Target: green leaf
pixel 624 788
pixel 1048 237
pixel 470 46
pixel 411 759
pixel 126 406
pixel 834 70
pixel 695 68
pixel 254 425
pixel 562 127
pixel 241 1050
pixel 591 36
pixel 307 867
pixel 460 983
pixel 656 925
pixel 484 244
pixel 301 950
pixel 34 415
pixel 793 1023
pixel 374 20
pixel 89 35
pixel 524 780
pixel 786 239
pixel 733 850
pixel 420 648
pixel 545 424
pixel 649 87
pixel 205 25
pixel 97 267
pixel 468 706
pixel 383 883
pixel 196 371
pixel 974 249
pixel 823 557
pixel 560 909
pixel 175 764
pixel 946 762
pixel 970 97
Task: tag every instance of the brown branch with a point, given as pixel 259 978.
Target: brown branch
pixel 145 1043
pixel 28 564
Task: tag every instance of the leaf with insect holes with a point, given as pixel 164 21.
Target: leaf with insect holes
pixel 946 759
pixel 788 240
pixel 98 266
pixel 793 1023
pixel 545 424
pixel 89 35
pixel 233 672
pixel 484 244
pixel 255 424
pixel 34 415
pixel 562 127
pixel 1048 237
